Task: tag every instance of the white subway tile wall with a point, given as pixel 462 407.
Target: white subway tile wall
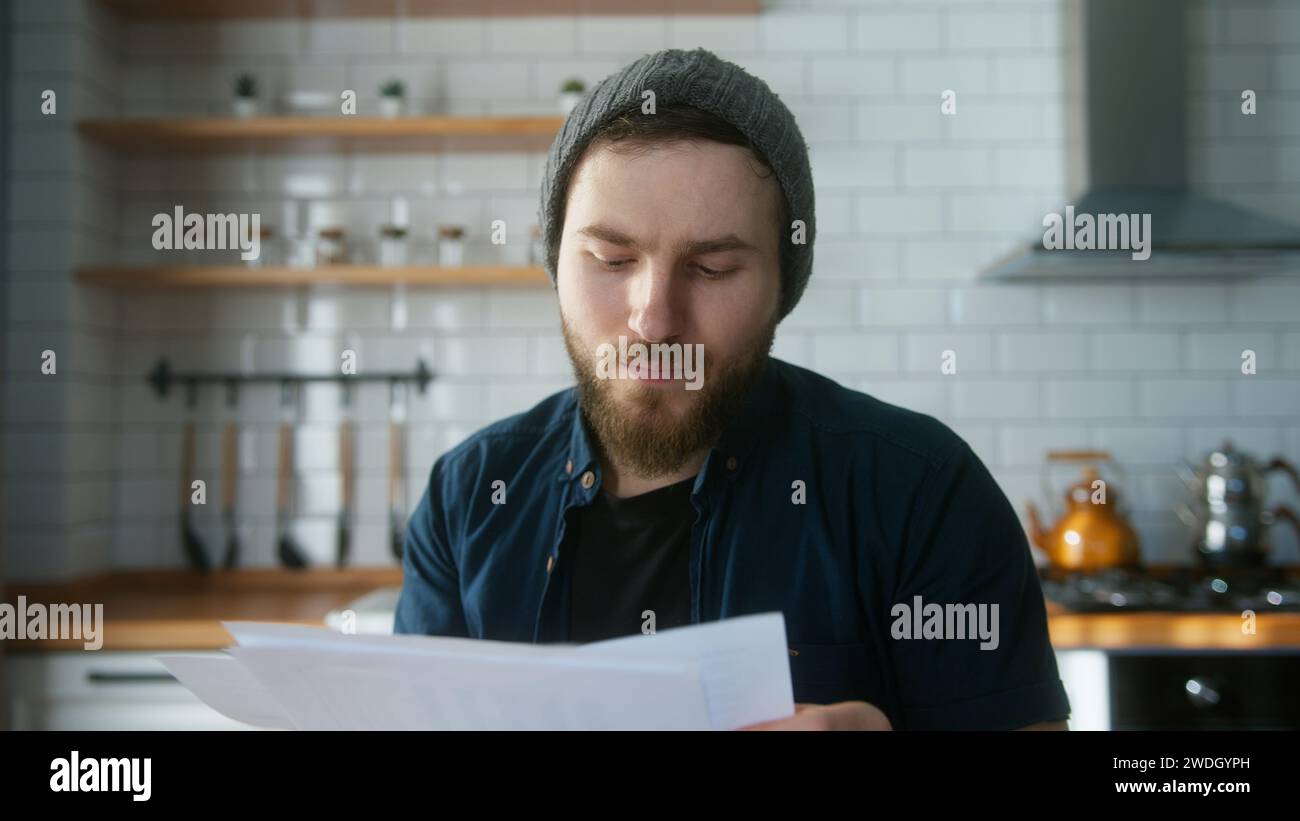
pixel 912 204
pixel 60 466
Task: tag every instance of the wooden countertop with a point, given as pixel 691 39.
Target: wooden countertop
pixel 1172 631
pixel 181 610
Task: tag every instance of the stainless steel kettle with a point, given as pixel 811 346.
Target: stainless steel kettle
pixel 1228 513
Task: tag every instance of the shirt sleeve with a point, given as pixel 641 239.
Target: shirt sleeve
pixel 966 547
pixel 430 601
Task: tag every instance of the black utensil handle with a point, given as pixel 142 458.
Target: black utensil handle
pixel 290 554
pixel 110 677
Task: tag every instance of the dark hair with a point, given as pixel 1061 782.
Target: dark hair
pixel 632 132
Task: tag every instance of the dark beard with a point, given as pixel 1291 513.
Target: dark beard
pixel 638 434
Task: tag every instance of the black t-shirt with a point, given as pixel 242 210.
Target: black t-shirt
pixel 632 555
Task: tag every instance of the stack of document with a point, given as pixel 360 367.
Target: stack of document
pixel 715 676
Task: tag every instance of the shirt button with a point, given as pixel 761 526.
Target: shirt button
pixel 550 563
pixel 588 479
pixel 568 466
pixel 731 463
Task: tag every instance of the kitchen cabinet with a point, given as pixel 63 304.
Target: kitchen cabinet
pixel 80 690
pixel 1201 691
pixel 55 684
pixel 1155 688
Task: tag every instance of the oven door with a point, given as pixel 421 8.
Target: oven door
pixel 1205 691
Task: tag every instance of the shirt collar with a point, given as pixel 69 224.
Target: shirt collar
pixel 581 457
pixel 738 444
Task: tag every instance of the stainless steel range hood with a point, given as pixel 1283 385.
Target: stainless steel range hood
pixel 1127 83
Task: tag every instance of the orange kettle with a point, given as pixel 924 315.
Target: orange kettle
pixel 1091 534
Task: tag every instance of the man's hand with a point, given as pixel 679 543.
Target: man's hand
pixel 846 715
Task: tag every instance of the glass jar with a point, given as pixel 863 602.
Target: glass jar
pixel 266 250
pixel 299 252
pixel 392 246
pixel 536 255
pixel 331 248
pixel 451 246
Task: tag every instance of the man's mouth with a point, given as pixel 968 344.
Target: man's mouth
pixel 642 372
pixel 657 365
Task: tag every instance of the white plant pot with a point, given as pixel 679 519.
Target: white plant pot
pixel 392 106
pixel 569 100
pixel 392 252
pixel 244 107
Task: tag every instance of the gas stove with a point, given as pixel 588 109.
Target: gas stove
pixel 1184 589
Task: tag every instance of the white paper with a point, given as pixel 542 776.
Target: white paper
pixel 345 690
pixel 744 663
pixel 719 675
pixel 227 687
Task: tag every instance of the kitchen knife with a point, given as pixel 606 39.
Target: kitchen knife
pixel 193 547
pixel 229 473
pixel 344 546
pixel 194 551
pixel 396 484
pixel 287 549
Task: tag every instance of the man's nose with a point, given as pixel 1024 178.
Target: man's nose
pixel 655 315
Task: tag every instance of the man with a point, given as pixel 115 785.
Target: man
pixel 684 217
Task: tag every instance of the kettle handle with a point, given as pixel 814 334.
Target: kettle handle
pixel 1284 512
pixel 1278 463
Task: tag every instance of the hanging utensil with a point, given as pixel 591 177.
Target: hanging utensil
pixel 195 553
pixel 290 554
pixel 344 545
pixel 396 472
pixel 229 479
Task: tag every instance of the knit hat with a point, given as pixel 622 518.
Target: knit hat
pixel 701 79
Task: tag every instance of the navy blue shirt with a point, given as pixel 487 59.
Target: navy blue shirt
pixel 831 506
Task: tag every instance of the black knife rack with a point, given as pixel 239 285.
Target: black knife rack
pixel 162 377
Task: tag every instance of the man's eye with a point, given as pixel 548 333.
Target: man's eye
pixel 613 264
pixel 710 273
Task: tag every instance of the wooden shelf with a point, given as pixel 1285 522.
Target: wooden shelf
pixel 239 276
pixel 233 9
pixel 225 134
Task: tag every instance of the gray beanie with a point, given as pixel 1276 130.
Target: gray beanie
pixel 701 79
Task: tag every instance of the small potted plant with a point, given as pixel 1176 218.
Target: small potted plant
pixel 245 103
pixel 570 93
pixel 392 98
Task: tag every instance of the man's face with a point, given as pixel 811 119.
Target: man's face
pixel 674 244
